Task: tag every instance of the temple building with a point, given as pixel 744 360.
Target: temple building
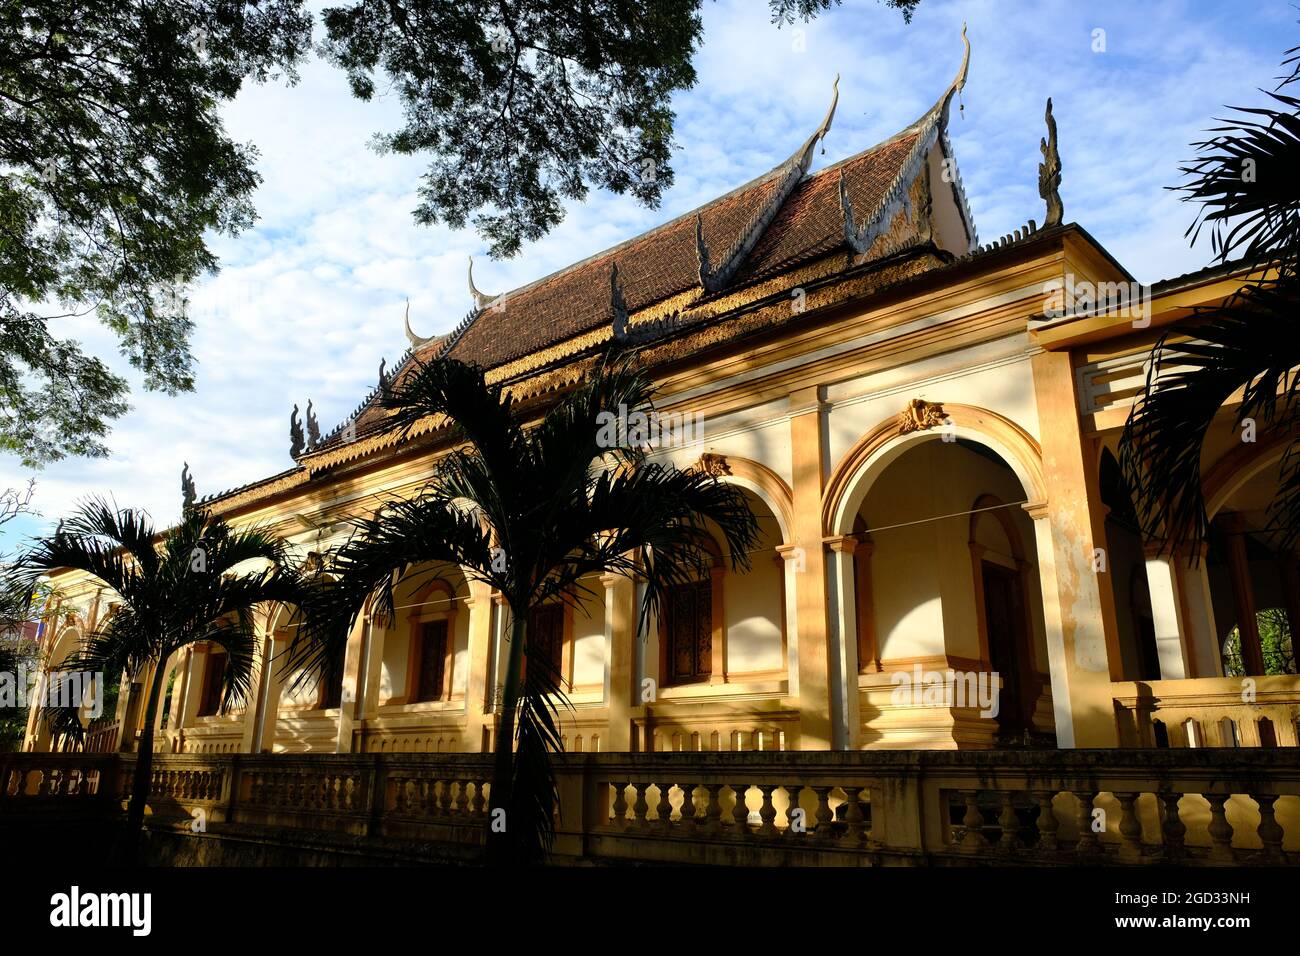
pixel 925 427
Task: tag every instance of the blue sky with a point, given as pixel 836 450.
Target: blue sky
pixel 310 300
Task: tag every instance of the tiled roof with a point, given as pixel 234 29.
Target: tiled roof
pixel 653 267
pixel 811 222
pixel 664 262
pixel 686 269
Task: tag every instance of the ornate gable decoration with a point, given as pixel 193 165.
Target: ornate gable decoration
pixel 1049 172
pixel 714 276
pixel 713 464
pixel 859 234
pixel 921 415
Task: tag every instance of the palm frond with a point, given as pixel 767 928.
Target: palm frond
pixel 662 516
pixel 479 413
pixel 1244 183
pixel 402 535
pixel 1247 344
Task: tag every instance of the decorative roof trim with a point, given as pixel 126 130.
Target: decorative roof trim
pixel 788 175
pixel 959 192
pixel 932 128
pixel 416 340
pixel 481 299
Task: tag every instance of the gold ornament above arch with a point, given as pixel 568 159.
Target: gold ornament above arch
pixel 916 419
pixel 770 487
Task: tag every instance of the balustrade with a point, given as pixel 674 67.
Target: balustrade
pixel 1213 807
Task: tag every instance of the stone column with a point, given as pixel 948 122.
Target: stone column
pixel 128 706
pixel 274 674
pixel 350 702
pixel 1080 682
pixel 1202 636
pixel 1078 608
pixel 792 565
pixel 1243 594
pixel 1167 614
pixel 177 718
pixel 477 682
pixel 818 719
pixel 621 695
pixel 257 704
pixel 372 675
pixel 496 679
pixel 644 664
pixel 1183 615
pixel 844 637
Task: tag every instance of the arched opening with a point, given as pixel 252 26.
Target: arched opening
pixel 728 633
pixel 1254 578
pixel 1123 564
pixel 949 598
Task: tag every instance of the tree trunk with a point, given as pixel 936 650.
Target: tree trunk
pixel 142 779
pixel 498 839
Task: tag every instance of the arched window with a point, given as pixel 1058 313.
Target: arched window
pixel 691 626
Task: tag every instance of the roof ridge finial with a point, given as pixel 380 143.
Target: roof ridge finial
pixel 296 441
pixel 939 111
pixel 415 340
pixel 188 495
pixel 960 80
pixel 618 305
pixel 805 154
pixel 1049 172
pixel 481 299
pixel 702 254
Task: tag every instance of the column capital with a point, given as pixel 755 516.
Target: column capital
pixel 1153 550
pixel 1036 509
pixel 809 398
pixel 791 554
pixel 842 544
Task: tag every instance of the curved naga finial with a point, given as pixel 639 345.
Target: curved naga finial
pixel 717 266
pixel 188 494
pixel 313 427
pixel 1049 172
pixel 481 299
pixel 415 340
pixel 805 154
pixel 295 434
pixel 958 82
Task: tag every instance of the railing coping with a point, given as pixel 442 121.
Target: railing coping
pixel 1152 761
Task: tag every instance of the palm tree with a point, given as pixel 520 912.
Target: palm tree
pixel 531 511
pixel 1244 180
pixel 199 581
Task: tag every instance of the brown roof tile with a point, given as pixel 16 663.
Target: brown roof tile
pixel 663 263
pixel 651 268
pixel 811 222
